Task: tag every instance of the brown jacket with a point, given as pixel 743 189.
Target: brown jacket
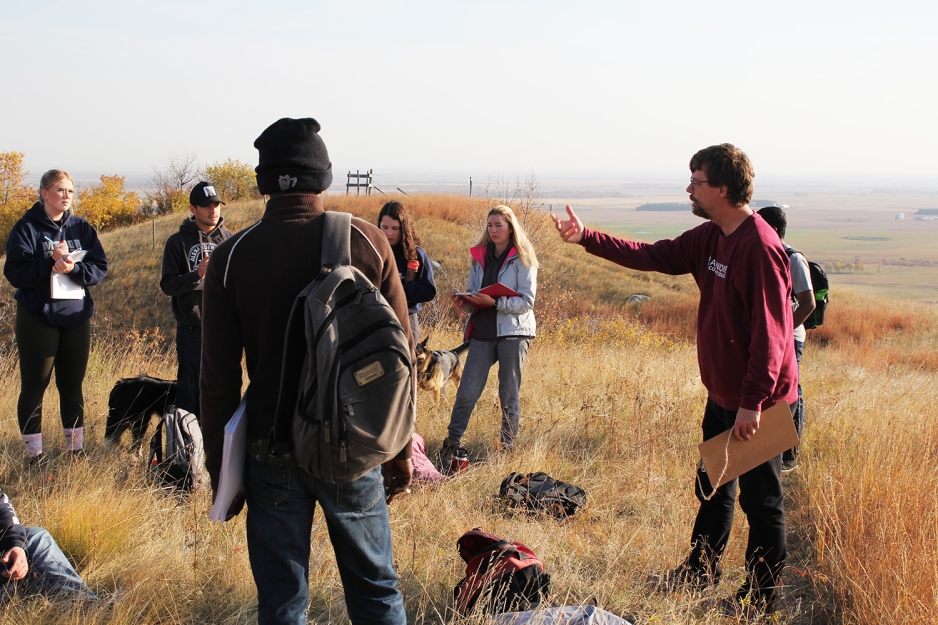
pixel 249 289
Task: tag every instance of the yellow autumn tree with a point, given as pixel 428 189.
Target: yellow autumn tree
pixel 107 205
pixel 15 196
pixel 233 180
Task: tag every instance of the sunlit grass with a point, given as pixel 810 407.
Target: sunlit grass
pixel 611 401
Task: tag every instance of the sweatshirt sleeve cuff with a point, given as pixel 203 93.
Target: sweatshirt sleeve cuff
pixel 587 237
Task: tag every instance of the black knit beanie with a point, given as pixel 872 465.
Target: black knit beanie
pixel 292 157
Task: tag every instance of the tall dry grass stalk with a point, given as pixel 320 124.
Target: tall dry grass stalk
pixel 611 401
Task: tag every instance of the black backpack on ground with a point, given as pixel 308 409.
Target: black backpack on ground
pixel 820 285
pixel 540 492
pixel 178 463
pixel 347 393
pixel 501 576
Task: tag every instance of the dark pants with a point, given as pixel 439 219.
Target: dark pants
pixel 43 348
pixel 189 356
pixel 761 499
pixel 798 412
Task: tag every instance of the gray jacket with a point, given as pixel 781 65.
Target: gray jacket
pixel 515 316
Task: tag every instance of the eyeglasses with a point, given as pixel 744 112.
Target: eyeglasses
pixel 694 182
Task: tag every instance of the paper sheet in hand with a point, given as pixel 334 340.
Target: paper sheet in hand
pixel 776 433
pixel 63 287
pixel 230 482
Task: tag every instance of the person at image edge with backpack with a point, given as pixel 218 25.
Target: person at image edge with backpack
pixel 803 305
pixel 250 287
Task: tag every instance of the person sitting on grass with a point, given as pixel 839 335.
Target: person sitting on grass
pixel 32 561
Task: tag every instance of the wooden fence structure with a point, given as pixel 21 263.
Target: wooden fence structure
pixel 362 181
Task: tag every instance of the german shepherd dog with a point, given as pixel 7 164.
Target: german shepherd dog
pixel 131 404
pixel 435 368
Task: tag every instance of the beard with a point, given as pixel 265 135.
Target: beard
pixel 697 209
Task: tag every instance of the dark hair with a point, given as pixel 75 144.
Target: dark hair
pixel 775 217
pixel 726 166
pixel 409 239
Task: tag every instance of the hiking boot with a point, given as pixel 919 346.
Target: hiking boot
pixel 34 462
pixel 685 577
pixel 444 457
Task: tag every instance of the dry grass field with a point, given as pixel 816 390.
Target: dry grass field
pixel 611 401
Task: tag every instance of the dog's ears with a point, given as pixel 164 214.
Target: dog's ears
pixel 422 345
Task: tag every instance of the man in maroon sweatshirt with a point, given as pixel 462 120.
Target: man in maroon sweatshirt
pixel 249 289
pixel 744 350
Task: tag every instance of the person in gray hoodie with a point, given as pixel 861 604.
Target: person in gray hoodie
pixel 185 260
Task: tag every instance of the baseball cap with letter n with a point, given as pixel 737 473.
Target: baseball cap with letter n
pixel 203 194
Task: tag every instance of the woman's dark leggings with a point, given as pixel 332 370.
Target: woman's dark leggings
pixel 41 348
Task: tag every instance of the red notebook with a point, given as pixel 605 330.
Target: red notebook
pixel 495 291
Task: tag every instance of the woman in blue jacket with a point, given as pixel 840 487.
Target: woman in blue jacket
pixel 413 264
pixel 53 333
pixel 499 329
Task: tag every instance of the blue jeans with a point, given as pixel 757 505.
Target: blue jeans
pixel 509 353
pixel 798 412
pixel 50 572
pixel 189 356
pixel 281 501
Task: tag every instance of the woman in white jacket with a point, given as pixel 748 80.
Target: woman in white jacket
pixel 499 329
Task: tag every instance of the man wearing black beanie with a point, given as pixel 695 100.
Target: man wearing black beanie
pixel 249 290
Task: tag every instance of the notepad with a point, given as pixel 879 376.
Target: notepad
pixel 726 458
pixel 495 291
pixel 63 287
pixel 234 453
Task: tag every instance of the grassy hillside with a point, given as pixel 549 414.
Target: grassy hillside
pixel 611 401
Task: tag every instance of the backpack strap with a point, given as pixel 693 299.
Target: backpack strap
pixel 156 445
pixel 336 250
pixel 336 239
pixel 294 353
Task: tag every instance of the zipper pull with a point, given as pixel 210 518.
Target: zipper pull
pixel 326 431
pixel 342 451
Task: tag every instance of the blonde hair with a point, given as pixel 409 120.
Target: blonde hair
pixel 50 179
pixel 518 237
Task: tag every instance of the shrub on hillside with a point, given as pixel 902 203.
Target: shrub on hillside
pixel 233 180
pixel 170 186
pixel 15 196
pixel 107 205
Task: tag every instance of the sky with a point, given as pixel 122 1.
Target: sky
pixel 482 88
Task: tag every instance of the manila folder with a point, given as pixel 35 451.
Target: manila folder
pixel 230 482
pixel 725 458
